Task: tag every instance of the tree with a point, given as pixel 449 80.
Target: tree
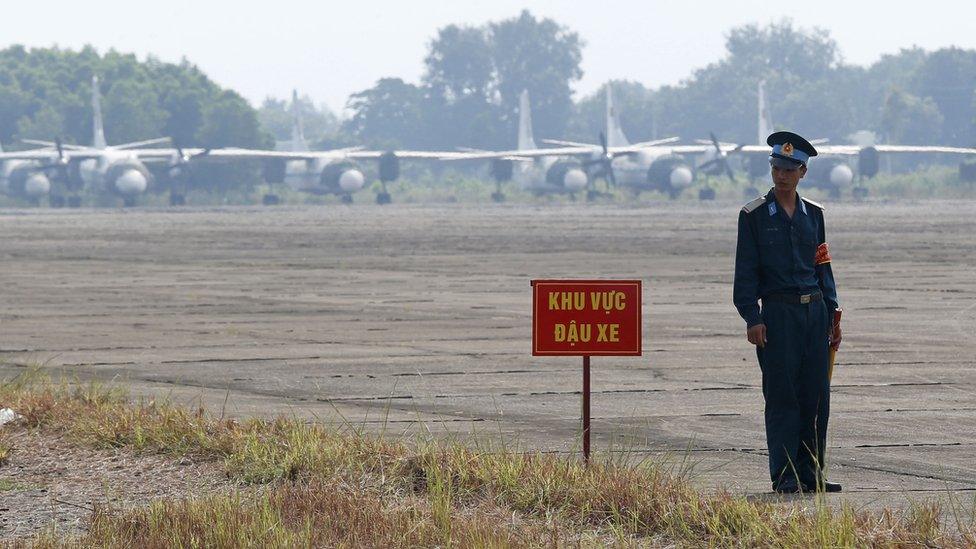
pixel 46 93
pixel 540 56
pixel 390 114
pixel 459 82
pixel 910 120
pixel 132 112
pixel 277 118
pixel 459 64
pixel 230 122
pixel 948 76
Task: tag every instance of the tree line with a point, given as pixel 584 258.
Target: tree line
pixel 468 95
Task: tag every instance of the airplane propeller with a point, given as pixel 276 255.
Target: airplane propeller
pixel 180 170
pixel 721 159
pixel 181 164
pixel 59 166
pixel 605 161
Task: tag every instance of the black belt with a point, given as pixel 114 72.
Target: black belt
pixel 794 298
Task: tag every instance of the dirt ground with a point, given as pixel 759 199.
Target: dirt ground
pixel 416 319
pixel 51 484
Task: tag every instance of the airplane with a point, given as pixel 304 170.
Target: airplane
pixel 25 179
pixel 331 172
pixel 571 166
pixel 549 174
pixel 118 170
pixel 831 169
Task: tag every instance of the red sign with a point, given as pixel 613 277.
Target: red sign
pixel 586 317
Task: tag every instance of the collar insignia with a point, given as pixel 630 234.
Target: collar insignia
pixel 787 149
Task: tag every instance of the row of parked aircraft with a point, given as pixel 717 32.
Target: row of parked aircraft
pixel 562 167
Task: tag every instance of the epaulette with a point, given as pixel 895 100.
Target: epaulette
pixel 812 203
pixel 751 206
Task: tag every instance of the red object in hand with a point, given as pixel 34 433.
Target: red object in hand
pixel 835 333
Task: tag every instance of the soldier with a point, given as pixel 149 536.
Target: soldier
pixel 783 261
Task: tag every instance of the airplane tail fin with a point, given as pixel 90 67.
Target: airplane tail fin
pixel 615 134
pixel 525 139
pixel 298 143
pixel 98 130
pixel 765 118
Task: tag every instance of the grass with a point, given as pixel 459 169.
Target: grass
pixel 5 448
pixel 312 484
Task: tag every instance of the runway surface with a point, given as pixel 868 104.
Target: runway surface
pixel 416 319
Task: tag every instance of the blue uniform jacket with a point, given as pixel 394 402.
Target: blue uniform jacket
pixel 776 255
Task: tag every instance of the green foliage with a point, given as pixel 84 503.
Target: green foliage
pixel 470 90
pixel 277 118
pixel 911 97
pixel 46 93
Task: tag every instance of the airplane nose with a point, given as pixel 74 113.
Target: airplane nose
pixel 574 180
pixel 37 185
pixel 841 175
pixel 351 180
pixel 681 177
pixel 131 182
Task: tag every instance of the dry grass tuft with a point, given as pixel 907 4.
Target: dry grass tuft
pixel 325 486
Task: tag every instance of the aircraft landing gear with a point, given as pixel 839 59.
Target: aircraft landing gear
pixel 860 192
pixel 270 200
pixel 498 197
pixel 381 198
pixel 56 201
pixel 177 199
pixel 707 193
pixel 347 199
pixel 74 201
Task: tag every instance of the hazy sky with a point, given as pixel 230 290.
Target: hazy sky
pixel 330 49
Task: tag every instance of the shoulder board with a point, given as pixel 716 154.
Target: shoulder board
pixel 814 204
pixel 748 208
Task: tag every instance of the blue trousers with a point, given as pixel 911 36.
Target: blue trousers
pixel 794 366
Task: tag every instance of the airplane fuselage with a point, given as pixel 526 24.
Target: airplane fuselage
pixel 119 172
pixel 651 170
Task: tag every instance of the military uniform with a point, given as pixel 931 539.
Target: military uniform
pixel 784 263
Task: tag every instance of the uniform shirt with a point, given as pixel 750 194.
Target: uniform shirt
pixel 775 254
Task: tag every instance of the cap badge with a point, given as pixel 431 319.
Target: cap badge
pixel 787 149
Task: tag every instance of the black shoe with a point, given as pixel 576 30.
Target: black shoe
pixel 787 488
pixel 827 487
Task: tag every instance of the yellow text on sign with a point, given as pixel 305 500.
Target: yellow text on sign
pixel 578 301
pixel 573 333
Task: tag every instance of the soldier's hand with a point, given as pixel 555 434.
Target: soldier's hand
pixel 757 335
pixel 835 337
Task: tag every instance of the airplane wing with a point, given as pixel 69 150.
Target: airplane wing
pixel 658 146
pixel 76 154
pixel 421 155
pixel 854 150
pixel 49 154
pixel 524 154
pixel 352 152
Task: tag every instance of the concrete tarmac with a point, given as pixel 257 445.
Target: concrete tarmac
pixel 415 319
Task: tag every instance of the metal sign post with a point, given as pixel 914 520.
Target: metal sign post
pixel 586 318
pixel 586 408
